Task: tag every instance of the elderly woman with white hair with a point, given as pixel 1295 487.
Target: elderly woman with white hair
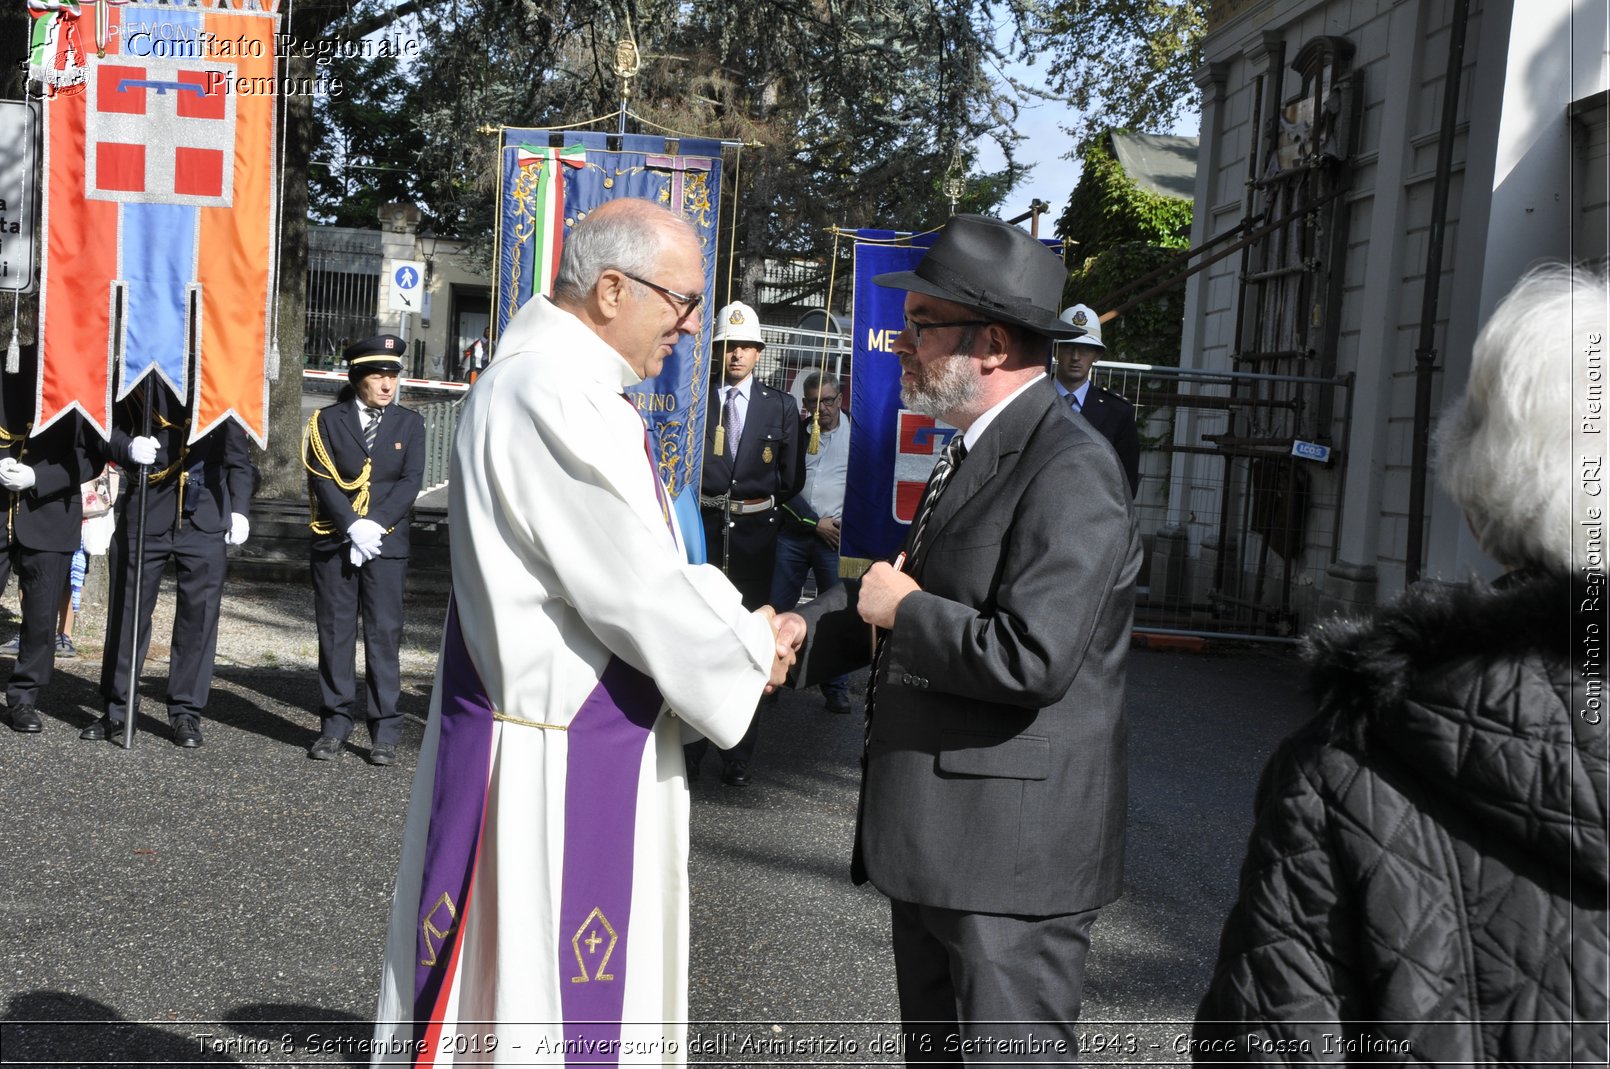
pixel 1426 878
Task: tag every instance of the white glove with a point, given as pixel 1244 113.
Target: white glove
pixel 355 555
pixel 366 536
pixel 15 475
pixel 239 528
pixel 143 450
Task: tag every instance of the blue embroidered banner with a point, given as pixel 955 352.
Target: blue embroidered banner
pixel 892 449
pixel 546 188
pixel 874 522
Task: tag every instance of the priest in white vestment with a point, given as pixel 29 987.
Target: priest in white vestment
pixel 541 912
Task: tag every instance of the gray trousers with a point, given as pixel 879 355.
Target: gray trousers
pixel 984 987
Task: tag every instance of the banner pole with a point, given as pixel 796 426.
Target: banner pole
pixel 132 709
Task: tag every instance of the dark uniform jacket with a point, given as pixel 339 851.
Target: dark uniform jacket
pixel 48 515
pixel 1114 417
pixel 396 473
pixel 769 462
pixel 768 459
pixel 1426 877
pixel 205 481
pixel 997 763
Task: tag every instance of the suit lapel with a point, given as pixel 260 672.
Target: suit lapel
pixel 1003 438
pixel 346 423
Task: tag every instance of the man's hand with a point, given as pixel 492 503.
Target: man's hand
pixel 882 590
pixel 143 450
pixel 366 536
pixel 784 653
pixel 827 529
pixel 15 475
pixel 240 528
pixel 355 555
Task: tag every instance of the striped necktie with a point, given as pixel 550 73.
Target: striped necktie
pixel 371 427
pixel 1073 401
pixel 948 461
pixel 734 421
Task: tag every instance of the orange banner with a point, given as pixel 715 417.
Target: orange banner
pixel 161 212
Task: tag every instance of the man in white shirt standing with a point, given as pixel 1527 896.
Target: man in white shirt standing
pixel 809 541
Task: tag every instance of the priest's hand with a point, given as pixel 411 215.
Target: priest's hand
pixel 882 590
pixel 783 653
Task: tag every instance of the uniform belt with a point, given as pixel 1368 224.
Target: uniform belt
pixel 738 507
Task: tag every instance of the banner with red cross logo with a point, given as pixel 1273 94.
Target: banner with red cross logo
pixel 160 211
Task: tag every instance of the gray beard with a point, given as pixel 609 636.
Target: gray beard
pixel 954 388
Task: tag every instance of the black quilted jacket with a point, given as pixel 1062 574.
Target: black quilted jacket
pixel 1426 880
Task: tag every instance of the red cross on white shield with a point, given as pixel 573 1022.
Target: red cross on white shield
pixel 160 131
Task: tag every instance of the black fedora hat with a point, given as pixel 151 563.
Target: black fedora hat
pixel 379 355
pixel 999 269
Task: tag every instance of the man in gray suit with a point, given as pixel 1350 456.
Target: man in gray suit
pixel 993 794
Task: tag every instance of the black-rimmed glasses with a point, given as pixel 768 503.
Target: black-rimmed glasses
pixel 915 329
pixel 684 303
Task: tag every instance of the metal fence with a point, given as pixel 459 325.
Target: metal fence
pixel 343 291
pixel 790 351
pixel 1238 518
pixel 441 426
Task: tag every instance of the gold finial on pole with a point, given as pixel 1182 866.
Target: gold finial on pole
pixel 955 183
pixel 627 63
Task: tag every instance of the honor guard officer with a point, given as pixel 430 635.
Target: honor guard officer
pixel 197 500
pixel 39 481
pixel 365 458
pixel 752 464
pixel 1109 413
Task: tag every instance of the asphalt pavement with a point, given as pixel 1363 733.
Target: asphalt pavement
pixel 227 905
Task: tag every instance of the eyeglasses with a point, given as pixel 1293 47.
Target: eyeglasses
pixel 684 303
pixel 915 329
pixel 828 401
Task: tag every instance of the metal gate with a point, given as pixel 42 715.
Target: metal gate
pixel 1240 499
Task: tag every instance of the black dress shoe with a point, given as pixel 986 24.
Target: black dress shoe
pixel 186 732
pixel 735 774
pixel 382 755
pixel 325 749
pixel 25 718
pixel 103 729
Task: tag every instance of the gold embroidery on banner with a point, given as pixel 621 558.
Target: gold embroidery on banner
pixel 428 930
pixel 591 942
pixel 507 719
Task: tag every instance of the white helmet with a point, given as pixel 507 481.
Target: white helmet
pixel 1082 315
pixel 737 322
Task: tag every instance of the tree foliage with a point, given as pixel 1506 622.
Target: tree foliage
pixel 1124 233
pixel 1122 63
pixel 851 108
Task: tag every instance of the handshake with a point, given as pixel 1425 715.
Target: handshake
pixel 788 630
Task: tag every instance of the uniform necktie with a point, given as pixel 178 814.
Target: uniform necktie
pixel 733 421
pixel 371 427
pixel 948 460
pixel 1073 402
